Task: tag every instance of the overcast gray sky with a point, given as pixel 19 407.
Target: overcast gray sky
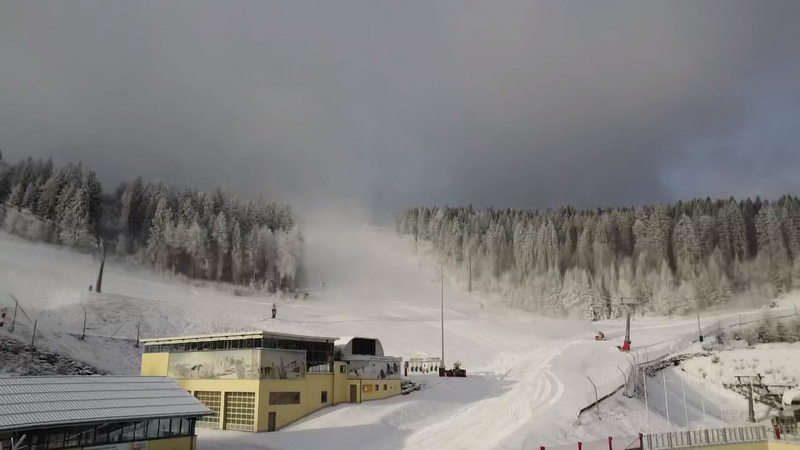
pixel 393 103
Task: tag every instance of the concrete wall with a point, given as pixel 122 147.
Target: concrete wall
pixel 341 387
pixel 763 445
pixel 310 389
pixel 385 389
pixel 743 446
pixel 373 389
pixel 784 445
pixel 180 443
pixel 155 364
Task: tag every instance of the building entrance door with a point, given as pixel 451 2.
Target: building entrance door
pixel 240 411
pixel 271 421
pixel 353 393
pixel 212 400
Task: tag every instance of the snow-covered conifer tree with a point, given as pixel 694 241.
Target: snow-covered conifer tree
pixel 157 241
pixel 219 234
pixel 237 253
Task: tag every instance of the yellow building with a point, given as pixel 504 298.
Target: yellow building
pixel 262 381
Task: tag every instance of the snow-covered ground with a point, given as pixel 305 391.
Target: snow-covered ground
pixel 777 363
pixel 527 374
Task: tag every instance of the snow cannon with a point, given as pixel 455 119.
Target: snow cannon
pixel 600 336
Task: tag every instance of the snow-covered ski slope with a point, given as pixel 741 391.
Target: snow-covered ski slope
pixel 527 374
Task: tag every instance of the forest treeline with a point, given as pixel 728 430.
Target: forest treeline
pixel 672 259
pixel 207 235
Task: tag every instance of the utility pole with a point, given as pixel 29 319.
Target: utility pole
pixel 83 334
pixel 666 399
pixel 596 398
pixel 138 327
pixel 751 413
pixel 469 287
pixel 685 409
pixel 699 330
pixel 35 322
pixel 646 403
pixel 443 366
pixel 633 374
pixel 625 379
pixel 14 319
pixel 703 402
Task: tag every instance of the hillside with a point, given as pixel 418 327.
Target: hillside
pixel 527 373
pixel 676 258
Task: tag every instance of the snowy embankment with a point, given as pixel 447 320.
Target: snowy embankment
pixel 527 374
pixel 22 360
pixel 700 381
pixel 778 363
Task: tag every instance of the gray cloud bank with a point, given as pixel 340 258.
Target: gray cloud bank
pixel 387 104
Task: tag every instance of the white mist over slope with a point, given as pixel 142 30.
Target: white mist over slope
pixel 527 374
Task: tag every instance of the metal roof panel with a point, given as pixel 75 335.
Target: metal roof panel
pixel 36 402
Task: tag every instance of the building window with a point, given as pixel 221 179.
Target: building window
pixel 152 429
pixel 128 432
pixel 90 435
pixel 284 398
pixel 362 346
pixel 141 429
pixel 324 397
pixel 186 427
pixel 377 387
pixel 342 369
pixel 385 387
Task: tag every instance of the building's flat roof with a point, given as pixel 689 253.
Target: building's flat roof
pixel 57 401
pixel 235 335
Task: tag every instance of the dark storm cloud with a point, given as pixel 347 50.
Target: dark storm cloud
pixel 394 103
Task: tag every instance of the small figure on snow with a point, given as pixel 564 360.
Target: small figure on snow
pixel 274 311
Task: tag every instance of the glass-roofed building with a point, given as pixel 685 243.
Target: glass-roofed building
pixel 93 412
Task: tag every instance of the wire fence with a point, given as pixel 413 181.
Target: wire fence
pixel 660 350
pixel 623 442
pixel 677 439
pixel 697 438
pixel 30 326
pixel 632 377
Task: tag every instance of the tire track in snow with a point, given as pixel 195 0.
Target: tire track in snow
pixel 488 422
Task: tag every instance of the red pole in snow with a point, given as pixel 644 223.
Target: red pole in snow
pixel 641 441
pixel 580 445
pixel 610 447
